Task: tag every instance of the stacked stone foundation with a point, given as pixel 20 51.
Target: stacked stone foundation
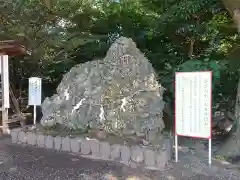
pixel 134 156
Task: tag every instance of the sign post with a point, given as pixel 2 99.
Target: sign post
pixel 5 80
pixel 35 95
pixel 193 107
pixel 4 76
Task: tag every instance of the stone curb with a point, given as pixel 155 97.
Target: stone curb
pixel 134 156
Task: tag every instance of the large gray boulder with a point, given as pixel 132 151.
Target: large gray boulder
pixel 119 94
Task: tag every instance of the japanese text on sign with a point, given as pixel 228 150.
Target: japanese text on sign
pixel 35 91
pixel 193 104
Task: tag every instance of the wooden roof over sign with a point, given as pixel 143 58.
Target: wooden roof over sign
pixel 12 48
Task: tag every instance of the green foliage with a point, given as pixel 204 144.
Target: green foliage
pixel 176 35
pixel 198 65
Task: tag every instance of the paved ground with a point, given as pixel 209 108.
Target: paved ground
pixel 25 163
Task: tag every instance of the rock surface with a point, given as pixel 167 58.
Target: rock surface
pixel 119 94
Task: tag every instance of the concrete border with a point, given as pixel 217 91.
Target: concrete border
pixel 137 156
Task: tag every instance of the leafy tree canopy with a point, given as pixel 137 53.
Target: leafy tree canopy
pixel 175 35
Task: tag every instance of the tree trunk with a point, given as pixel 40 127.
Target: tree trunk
pixel 233 7
pixel 232 146
pixel 237 108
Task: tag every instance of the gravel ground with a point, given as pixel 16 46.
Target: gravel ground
pixel 28 163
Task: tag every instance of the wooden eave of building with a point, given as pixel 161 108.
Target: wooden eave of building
pixel 13 48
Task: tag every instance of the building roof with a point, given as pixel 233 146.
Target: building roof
pixel 13 48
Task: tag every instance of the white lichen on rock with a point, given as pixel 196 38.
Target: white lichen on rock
pixel 119 93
